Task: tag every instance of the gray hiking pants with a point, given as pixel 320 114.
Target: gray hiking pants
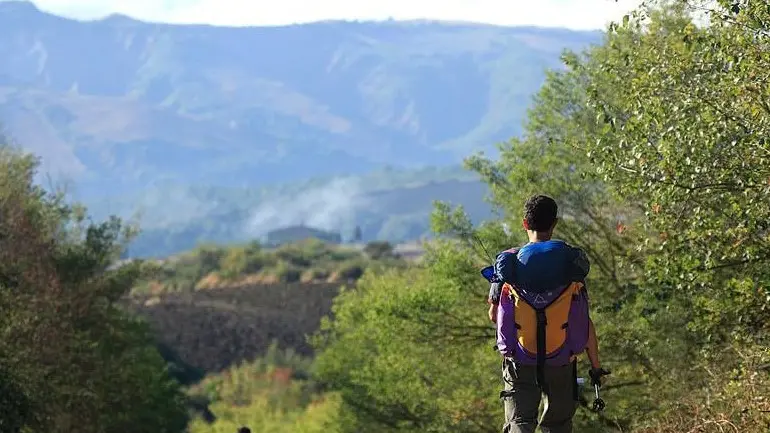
pixel 521 396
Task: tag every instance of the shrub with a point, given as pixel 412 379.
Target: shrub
pixel 351 270
pixel 378 250
pixel 287 273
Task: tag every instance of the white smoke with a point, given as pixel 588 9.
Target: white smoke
pixel 331 207
pixel 155 209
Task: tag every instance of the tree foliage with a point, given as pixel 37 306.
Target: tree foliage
pixel 270 394
pixel 688 140
pixel 71 360
pixel 654 144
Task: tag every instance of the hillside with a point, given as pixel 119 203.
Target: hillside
pixel 392 205
pixel 215 329
pixel 215 307
pixel 117 105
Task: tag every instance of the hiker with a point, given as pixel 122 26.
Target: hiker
pixel 539 300
pixel 244 430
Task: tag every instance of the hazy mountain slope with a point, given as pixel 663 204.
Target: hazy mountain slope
pixel 117 105
pixel 392 205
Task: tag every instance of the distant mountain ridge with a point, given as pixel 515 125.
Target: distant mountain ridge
pixel 116 105
pixel 220 133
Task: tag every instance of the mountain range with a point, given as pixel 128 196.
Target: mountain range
pixel 118 107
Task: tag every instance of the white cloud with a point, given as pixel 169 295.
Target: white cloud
pixel 576 14
pixel 91 9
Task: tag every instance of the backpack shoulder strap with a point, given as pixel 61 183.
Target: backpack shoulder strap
pixel 505 265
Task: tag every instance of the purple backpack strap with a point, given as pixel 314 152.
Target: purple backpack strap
pixel 577 333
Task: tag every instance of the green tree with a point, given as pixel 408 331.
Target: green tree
pixel 682 121
pixel 74 360
pixel 395 351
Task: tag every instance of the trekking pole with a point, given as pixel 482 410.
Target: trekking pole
pixel 599 404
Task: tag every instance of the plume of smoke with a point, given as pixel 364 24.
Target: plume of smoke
pixel 331 207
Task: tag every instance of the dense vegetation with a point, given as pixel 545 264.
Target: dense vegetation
pixel 271 394
pixel 70 358
pixel 310 261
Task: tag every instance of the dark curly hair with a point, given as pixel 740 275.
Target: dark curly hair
pixel 540 212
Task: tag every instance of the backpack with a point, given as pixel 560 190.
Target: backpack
pixel 540 327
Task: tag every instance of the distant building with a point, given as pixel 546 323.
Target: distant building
pixel 357 234
pixel 300 233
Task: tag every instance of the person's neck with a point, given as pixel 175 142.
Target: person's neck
pixel 539 237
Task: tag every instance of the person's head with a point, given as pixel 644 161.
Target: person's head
pixel 540 217
pixel 244 430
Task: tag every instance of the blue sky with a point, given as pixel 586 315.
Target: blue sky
pixel 576 14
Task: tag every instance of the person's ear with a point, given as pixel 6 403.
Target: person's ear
pixel 524 224
pixel 556 221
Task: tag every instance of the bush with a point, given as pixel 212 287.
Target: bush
pixel 351 270
pixel 306 261
pixel 287 273
pixel 266 395
pixel 378 250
